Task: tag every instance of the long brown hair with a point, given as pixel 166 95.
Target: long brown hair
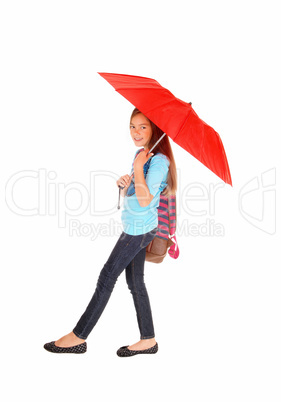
pixel 164 147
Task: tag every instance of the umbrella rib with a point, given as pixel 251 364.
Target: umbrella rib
pixel 182 127
pixel 183 124
pixel 167 103
pixel 156 107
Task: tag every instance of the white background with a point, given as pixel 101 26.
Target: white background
pixel 217 307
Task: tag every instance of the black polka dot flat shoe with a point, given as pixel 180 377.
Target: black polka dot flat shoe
pixel 125 352
pixel 51 347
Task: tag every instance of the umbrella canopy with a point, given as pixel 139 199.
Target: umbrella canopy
pixel 176 118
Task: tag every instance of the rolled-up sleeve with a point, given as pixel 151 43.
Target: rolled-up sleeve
pixel 157 172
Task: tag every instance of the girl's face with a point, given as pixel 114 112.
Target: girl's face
pixel 141 130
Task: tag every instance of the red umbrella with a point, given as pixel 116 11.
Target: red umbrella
pixel 176 118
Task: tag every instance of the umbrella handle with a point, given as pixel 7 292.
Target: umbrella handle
pixel 157 142
pixel 118 206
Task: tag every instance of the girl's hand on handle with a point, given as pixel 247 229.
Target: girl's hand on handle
pixel 124 181
pixel 142 158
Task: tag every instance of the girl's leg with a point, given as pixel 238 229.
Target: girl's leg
pixel 135 281
pixel 125 249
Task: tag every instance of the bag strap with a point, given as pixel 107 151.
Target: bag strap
pixel 169 212
pixel 174 249
pixel 172 229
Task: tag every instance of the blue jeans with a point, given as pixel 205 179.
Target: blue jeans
pixel 128 253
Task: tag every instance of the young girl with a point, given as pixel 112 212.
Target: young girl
pixel 140 221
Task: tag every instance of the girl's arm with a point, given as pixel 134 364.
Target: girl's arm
pixel 142 191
